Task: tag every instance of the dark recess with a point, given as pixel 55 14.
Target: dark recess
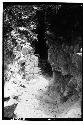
pixel 41 47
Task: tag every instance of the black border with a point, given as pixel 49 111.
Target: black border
pixel 35 3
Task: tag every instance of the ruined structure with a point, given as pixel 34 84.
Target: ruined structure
pixel 64 53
